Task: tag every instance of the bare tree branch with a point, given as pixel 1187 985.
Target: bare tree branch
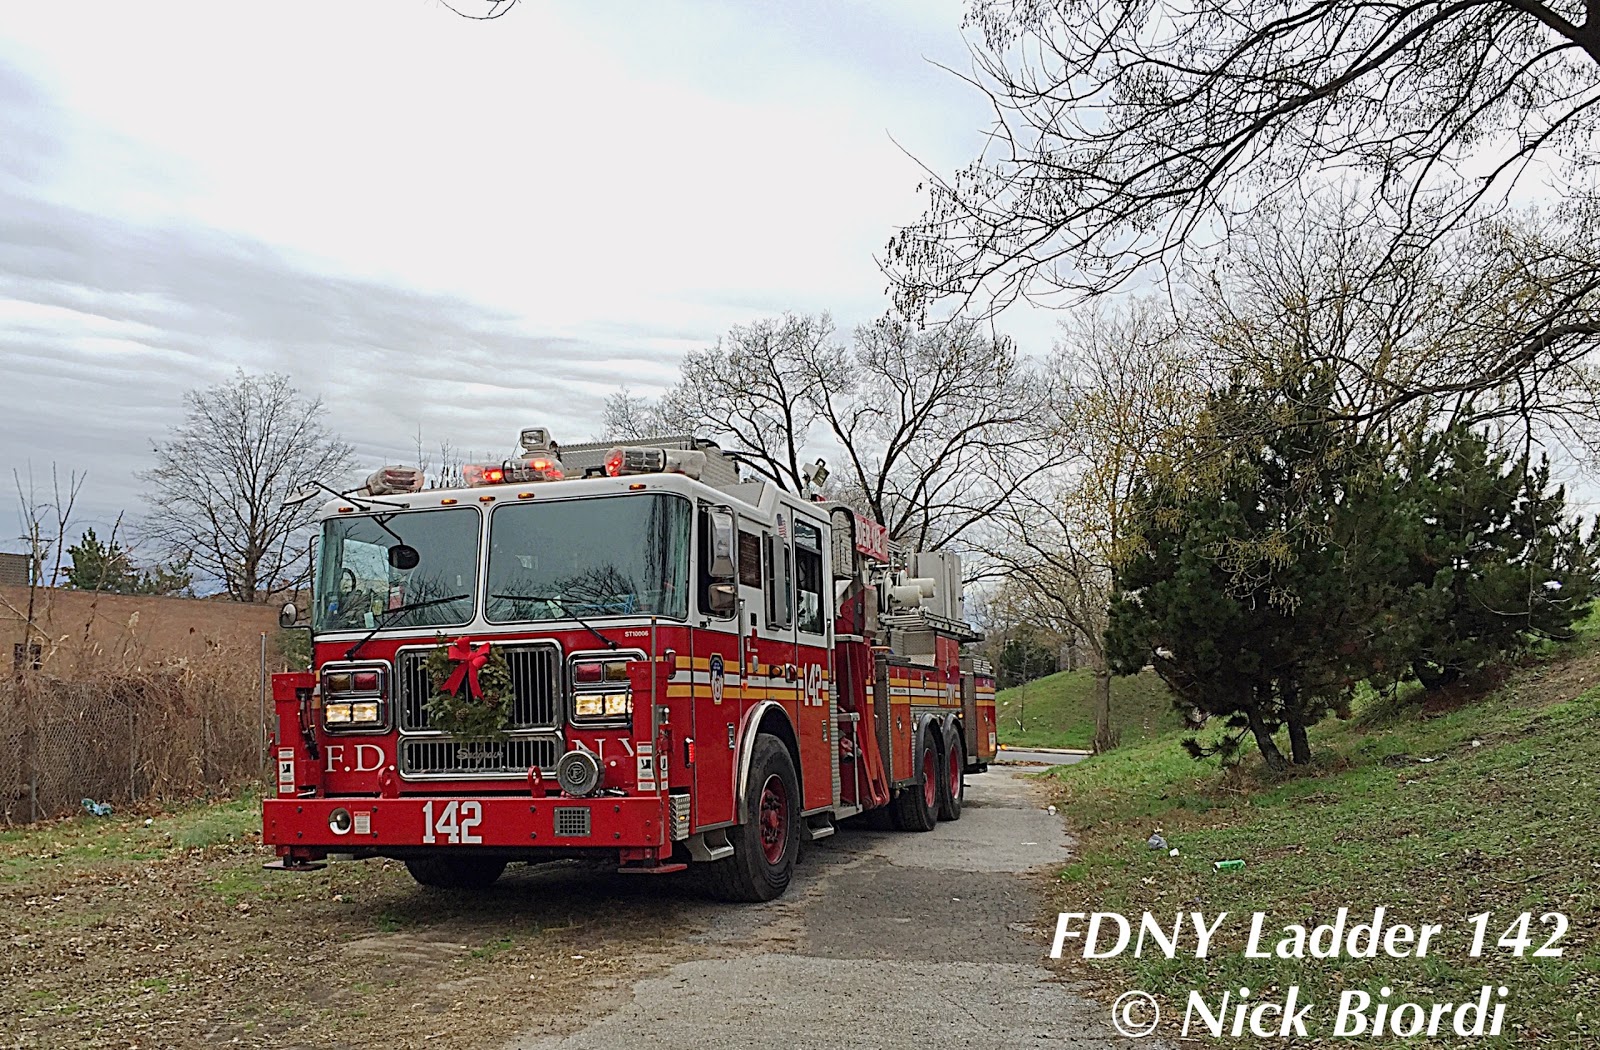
pixel 1136 135
pixel 222 478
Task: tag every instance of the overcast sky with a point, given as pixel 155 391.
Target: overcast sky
pixel 468 226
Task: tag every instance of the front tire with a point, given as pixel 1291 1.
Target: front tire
pixel 766 844
pixel 916 808
pixel 456 873
pixel 952 785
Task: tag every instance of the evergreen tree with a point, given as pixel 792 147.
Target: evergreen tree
pixel 1302 560
pixel 1256 584
pixel 106 567
pixel 98 566
pixel 1024 658
pixel 1495 563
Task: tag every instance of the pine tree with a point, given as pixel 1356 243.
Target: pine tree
pixel 106 567
pixel 1256 583
pixel 1496 564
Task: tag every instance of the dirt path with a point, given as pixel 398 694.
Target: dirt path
pixel 169 935
pixel 884 940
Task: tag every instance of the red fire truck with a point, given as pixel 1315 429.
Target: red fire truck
pixel 683 667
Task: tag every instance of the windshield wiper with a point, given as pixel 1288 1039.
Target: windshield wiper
pixel 383 620
pixel 565 607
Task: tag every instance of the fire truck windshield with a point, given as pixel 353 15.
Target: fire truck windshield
pixel 355 584
pixel 589 558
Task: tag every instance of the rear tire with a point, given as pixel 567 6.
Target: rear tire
pixel 953 785
pixel 456 873
pixel 766 844
pixel 916 808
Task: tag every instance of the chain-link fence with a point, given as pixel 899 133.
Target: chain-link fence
pixel 174 732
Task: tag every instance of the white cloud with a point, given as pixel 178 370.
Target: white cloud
pixel 475 226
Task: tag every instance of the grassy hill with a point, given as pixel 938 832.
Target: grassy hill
pixel 1436 811
pixel 1057 710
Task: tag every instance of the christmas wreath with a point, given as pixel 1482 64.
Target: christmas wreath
pixel 472 697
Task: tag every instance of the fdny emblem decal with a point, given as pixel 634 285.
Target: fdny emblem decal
pixel 716 678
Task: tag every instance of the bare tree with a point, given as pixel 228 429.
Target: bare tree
pixel 484 11
pixel 449 474
pixel 1126 392
pixel 423 460
pixel 222 478
pixel 929 430
pixel 1127 135
pixel 939 426
pixel 749 392
pixel 1403 330
pixel 630 418
pixel 45 524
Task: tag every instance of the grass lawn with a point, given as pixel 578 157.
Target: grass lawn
pixel 1437 815
pixel 1058 711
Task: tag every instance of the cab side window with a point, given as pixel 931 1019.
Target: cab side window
pixel 708 585
pixel 808 577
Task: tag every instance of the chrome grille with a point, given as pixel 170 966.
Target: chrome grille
pixel 535 687
pixel 513 756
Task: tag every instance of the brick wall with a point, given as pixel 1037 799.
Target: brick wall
pixel 82 625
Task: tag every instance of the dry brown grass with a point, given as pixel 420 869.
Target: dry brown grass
pixel 121 723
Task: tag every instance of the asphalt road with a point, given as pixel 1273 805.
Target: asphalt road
pixel 886 939
pixel 1011 756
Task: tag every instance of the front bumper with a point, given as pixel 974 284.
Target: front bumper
pixel 305 825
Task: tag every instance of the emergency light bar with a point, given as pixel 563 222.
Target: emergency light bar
pixel 513 472
pixel 625 461
pixel 392 481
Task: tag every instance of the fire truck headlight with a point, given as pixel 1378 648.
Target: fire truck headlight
pixel 587 706
pixel 365 712
pixel 337 714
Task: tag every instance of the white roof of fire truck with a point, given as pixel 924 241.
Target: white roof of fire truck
pixel 693 467
pixel 688 465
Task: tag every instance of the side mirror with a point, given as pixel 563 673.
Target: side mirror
pixel 724 598
pixel 288 615
pixel 722 544
pixel 404 557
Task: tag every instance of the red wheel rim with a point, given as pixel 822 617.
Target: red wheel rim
pixel 774 819
pixel 930 779
pixel 955 772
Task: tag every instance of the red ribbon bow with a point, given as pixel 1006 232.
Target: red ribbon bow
pixel 469 659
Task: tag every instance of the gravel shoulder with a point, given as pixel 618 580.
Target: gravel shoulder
pixel 885 940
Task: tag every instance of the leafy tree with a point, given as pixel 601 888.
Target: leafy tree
pixel 223 476
pixel 1122 393
pixel 106 567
